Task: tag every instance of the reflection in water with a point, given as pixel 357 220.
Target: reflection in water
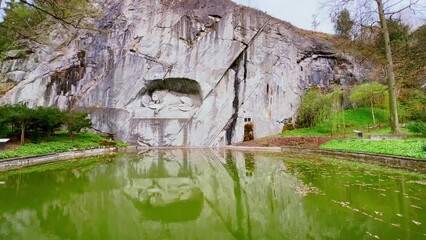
pixel 161 193
pixel 204 194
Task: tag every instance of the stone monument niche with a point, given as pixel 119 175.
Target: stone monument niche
pixel 180 94
pixel 166 111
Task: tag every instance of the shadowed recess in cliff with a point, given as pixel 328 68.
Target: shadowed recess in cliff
pixel 67 78
pixel 179 85
pixel 64 80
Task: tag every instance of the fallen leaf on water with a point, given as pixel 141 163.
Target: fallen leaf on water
pixel 373 236
pixel 378 213
pixel 421 182
pixel 417 223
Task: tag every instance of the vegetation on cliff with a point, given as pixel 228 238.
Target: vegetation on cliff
pixel 25 23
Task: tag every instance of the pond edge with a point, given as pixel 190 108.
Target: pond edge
pixel 412 164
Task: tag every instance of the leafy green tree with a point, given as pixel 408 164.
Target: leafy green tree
pixel 22 20
pixel 331 114
pixel 47 120
pixel 343 24
pixel 75 121
pixel 372 93
pixel 322 109
pixel 309 108
pixel 21 116
pixel 399 35
pixel 18 24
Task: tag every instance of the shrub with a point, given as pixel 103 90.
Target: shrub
pixel 417 127
pixel 323 110
pixel 309 108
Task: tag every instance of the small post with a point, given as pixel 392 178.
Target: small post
pixel 3 142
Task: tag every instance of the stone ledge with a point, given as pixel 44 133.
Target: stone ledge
pixel 407 163
pixel 356 154
pixel 16 163
pixel 243 148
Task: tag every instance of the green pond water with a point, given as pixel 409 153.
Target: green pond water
pixel 206 194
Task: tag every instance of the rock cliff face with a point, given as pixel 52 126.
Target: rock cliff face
pixel 178 72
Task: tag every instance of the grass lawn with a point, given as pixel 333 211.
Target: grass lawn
pixel 360 119
pixel 304 132
pixel 407 148
pixel 60 142
pixel 355 119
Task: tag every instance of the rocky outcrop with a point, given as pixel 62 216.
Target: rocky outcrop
pixel 179 73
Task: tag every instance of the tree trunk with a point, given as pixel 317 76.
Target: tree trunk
pixel 389 69
pixel 22 134
pixel 70 131
pixel 372 114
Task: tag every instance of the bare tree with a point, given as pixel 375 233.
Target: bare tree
pixel 376 13
pixel 390 72
pixel 315 23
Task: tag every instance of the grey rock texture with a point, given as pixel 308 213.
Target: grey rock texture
pixel 179 72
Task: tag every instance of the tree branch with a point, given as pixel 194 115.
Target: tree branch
pixel 61 20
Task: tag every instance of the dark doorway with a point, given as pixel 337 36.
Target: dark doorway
pixel 248 131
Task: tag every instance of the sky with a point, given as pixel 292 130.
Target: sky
pixel 299 12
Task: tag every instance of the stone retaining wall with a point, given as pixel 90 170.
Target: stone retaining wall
pixel 412 164
pixel 16 163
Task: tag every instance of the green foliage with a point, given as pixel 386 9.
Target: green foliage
pixel 47 120
pixel 369 93
pixel 21 116
pixel 309 108
pixel 372 94
pixel 343 24
pixel 417 127
pixel 331 113
pixel 41 121
pixel 407 148
pixel 359 119
pixel 311 131
pixel 59 143
pixel 27 21
pixel 18 24
pixel 413 103
pixel 77 120
pixel 399 33
pixel 322 110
